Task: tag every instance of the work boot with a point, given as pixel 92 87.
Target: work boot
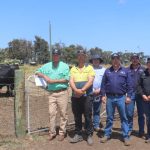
pixel 147 140
pixel 104 139
pixel 141 135
pixel 127 142
pixel 89 140
pixel 77 138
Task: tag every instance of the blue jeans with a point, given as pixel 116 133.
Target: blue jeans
pixel 146 106
pixel 140 111
pixel 96 112
pixel 130 112
pixel 111 104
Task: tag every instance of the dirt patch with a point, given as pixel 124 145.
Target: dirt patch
pixel 40 141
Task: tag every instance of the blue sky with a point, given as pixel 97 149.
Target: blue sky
pixel 116 25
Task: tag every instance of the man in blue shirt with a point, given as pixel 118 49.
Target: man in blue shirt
pixel 96 60
pixel 135 70
pixel 117 88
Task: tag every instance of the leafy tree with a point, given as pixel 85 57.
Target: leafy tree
pixel 41 52
pixel 19 49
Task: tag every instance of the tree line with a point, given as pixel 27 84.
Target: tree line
pixel 24 51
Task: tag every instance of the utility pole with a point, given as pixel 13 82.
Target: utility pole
pixel 50 45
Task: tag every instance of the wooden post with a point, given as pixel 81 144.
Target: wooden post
pixel 20 128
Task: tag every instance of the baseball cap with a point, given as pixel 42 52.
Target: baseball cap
pixel 115 55
pixel 56 51
pixel 81 51
pixel 135 55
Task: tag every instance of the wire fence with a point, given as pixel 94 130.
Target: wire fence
pixel 37 108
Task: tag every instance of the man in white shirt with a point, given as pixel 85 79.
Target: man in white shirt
pixel 96 61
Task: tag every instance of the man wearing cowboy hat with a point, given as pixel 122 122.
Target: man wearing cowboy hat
pixel 96 61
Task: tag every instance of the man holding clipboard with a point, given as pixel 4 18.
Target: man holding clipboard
pixel 56 75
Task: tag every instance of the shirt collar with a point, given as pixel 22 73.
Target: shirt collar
pixel 112 69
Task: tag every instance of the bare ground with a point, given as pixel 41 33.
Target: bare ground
pixel 39 141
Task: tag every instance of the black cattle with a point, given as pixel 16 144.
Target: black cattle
pixel 7 74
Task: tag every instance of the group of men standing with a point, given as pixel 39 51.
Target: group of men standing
pixel 91 85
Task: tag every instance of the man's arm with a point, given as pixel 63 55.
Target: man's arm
pixel 76 91
pixel 88 84
pixel 49 80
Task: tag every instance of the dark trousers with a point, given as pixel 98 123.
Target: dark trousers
pixel 140 110
pixel 82 105
pixel 146 107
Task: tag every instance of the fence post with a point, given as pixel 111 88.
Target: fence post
pixel 20 128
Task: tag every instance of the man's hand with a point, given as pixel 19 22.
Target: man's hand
pixel 148 97
pixel 128 100
pixel 48 80
pixel 78 93
pixel 96 92
pixel 104 99
pixel 145 98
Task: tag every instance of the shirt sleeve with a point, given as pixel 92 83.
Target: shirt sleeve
pixel 103 84
pixel 91 71
pixel 129 85
pixel 140 86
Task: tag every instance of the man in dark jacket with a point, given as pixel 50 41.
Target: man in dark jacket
pixel 144 91
pixel 135 70
pixel 115 84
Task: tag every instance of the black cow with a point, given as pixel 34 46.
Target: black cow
pixel 7 74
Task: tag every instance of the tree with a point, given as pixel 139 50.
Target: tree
pixel 2 55
pixel 41 53
pixel 20 49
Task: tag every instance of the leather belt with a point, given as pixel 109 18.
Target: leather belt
pixel 57 91
pixel 113 94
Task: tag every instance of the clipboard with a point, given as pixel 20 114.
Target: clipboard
pixel 40 81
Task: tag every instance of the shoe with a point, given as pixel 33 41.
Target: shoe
pixel 127 142
pixel 97 129
pixel 89 140
pixel 104 139
pixel 147 140
pixel 61 137
pixel 51 137
pixel 141 135
pixel 77 138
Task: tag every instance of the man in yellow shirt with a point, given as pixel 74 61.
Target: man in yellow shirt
pixel 81 81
